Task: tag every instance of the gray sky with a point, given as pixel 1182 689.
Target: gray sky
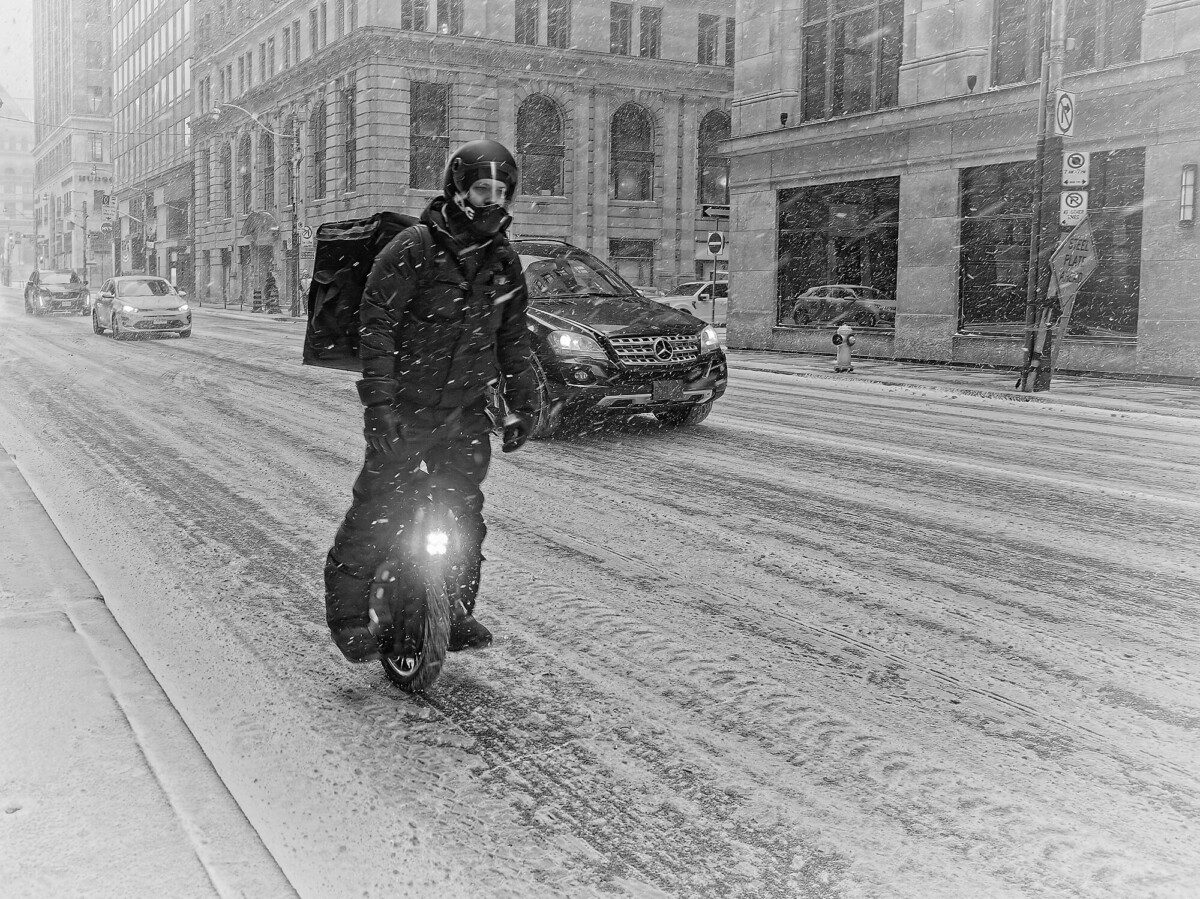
pixel 16 50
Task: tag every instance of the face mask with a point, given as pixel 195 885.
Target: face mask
pixel 486 220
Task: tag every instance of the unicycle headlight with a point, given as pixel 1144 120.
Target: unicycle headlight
pixel 436 543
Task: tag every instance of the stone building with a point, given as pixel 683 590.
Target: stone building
pixel 889 144
pixel 152 108
pixel 73 153
pixel 16 191
pixel 323 110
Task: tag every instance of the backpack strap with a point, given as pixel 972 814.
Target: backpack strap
pixel 425 235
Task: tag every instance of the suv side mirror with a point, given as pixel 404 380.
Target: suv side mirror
pixel 182 293
pixel 107 294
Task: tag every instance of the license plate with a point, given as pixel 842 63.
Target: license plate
pixel 667 391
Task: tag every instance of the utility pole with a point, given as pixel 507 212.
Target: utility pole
pixel 1044 228
pixel 85 243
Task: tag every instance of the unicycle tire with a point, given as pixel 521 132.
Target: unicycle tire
pixel 415 675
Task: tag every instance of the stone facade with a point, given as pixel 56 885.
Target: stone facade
pixel 940 129
pixel 373 55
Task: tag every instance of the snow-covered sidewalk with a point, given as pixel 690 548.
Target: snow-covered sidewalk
pixel 104 790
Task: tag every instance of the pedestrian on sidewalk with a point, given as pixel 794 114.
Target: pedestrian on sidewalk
pixel 271 295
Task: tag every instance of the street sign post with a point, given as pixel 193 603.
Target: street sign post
pixel 1072 208
pixel 1064 113
pixel 1075 169
pixel 715 210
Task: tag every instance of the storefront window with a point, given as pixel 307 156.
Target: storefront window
pixel 996 219
pixel 837 254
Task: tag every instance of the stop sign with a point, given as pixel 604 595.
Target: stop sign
pixel 716 242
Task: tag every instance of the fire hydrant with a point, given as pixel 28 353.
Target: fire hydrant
pixel 843 339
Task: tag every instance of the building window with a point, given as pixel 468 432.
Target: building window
pixel 714 168
pixel 262 62
pixel 527 22
pixel 450 16
pixel 651 44
pixel 1016 49
pixel 1105 33
pixel 994 233
pixel 227 179
pixel 354 14
pixel 316 127
pixel 350 112
pixel 97 147
pixel 203 184
pixel 296 41
pixel 323 22
pixel 245 172
pixel 287 47
pixel 558 23
pixel 995 227
pixel 266 155
pixel 633 259
pixel 708 37
pixel 413 14
pixel 632 153
pixel 241 75
pixel 339 18
pixel 730 43
pixel 620 28
pixel 430 130
pixel 851 59
pixel 270 57
pixel 313 33
pixel 540 147
pixel 837 254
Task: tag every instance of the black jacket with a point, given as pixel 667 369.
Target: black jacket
pixel 436 339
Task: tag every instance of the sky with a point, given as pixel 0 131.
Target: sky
pixel 16 50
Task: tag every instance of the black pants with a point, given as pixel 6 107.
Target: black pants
pixel 456 455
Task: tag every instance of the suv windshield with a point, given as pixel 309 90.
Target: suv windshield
pixel 58 278
pixel 150 288
pixel 557 270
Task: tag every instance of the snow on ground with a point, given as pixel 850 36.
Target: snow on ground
pixel 839 640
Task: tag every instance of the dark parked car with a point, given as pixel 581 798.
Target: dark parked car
pixel 602 348
pixel 836 304
pixel 57 290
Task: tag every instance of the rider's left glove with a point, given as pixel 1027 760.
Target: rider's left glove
pixel 517 428
pixel 379 416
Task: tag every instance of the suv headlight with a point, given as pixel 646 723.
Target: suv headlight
pixel 709 342
pixel 128 308
pixel 183 308
pixel 568 343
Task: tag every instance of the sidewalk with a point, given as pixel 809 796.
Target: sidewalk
pixel 1116 394
pixel 104 791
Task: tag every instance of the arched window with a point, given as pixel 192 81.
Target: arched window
pixel 245 171
pixel 714 168
pixel 632 153
pixel 316 128
pixel 540 147
pixel 266 155
pixel 227 178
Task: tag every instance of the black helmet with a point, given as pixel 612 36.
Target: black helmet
pixel 480 159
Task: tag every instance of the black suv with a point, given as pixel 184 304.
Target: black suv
pixel 603 348
pixel 56 291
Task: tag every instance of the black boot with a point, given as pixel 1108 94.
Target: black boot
pixel 355 640
pixel 346 608
pixel 467 633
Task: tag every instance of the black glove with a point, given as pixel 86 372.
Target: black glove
pixel 517 428
pixel 380 429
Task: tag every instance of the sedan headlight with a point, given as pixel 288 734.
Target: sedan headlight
pixel 568 343
pixel 709 342
pixel 128 308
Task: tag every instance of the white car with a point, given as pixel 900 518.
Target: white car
pixel 696 297
pixel 129 305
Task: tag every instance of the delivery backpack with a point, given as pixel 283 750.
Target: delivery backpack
pixel 345 252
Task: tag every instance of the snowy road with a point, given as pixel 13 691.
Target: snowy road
pixel 834 642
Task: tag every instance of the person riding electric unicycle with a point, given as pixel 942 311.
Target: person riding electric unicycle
pixel 442 322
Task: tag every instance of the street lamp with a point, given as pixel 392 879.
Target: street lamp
pixel 214 116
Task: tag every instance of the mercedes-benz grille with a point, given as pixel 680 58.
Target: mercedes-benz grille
pixel 663 350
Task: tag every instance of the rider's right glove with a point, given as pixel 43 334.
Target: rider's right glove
pixel 517 428
pixel 379 417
